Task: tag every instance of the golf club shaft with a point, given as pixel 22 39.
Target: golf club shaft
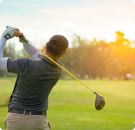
pixel 56 63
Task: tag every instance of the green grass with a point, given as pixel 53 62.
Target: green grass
pixel 71 105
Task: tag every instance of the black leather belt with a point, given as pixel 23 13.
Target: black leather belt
pixel 19 111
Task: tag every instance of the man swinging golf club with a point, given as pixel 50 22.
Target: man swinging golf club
pixel 36 78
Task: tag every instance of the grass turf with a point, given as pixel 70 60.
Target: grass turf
pixel 71 105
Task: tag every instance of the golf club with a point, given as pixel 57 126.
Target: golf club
pixel 99 101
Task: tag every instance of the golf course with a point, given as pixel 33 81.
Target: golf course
pixel 72 106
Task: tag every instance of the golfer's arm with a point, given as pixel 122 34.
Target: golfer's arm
pixel 3 61
pixel 30 50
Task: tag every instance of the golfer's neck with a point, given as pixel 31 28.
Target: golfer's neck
pixel 50 56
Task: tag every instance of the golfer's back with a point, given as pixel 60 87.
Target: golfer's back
pixel 35 80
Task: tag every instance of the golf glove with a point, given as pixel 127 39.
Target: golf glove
pixel 9 33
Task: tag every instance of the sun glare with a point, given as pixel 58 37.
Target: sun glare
pixel 125 43
pixel 0 0
pixel 132 45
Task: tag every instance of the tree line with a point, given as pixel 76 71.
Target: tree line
pixel 99 59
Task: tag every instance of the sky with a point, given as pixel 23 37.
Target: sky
pixel 41 19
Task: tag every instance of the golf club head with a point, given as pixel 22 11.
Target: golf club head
pixel 99 102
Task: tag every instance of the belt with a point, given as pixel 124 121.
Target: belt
pixel 19 111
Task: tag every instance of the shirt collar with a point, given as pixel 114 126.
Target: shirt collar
pixel 44 58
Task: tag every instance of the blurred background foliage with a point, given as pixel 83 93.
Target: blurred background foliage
pixel 92 59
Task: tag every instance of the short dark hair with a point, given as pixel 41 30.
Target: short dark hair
pixel 57 45
pixel 51 48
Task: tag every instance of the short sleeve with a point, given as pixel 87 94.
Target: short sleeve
pixel 18 65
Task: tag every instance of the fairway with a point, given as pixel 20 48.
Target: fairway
pixel 72 106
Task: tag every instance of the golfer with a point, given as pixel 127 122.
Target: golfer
pixel 36 78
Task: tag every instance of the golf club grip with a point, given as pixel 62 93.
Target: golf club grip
pixel 56 63
pixel 23 39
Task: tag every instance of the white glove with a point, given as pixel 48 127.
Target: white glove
pixel 9 33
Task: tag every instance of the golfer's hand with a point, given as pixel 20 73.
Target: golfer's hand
pixel 8 33
pixel 18 33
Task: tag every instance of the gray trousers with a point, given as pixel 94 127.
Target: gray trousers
pixel 15 121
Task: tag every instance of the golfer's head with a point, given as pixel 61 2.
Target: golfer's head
pixel 57 45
